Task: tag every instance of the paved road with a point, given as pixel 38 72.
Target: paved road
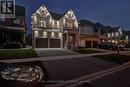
pixel 118 79
pixel 67 69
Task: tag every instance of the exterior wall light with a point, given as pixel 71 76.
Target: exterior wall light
pixel 52 34
pixel 60 35
pixel 36 33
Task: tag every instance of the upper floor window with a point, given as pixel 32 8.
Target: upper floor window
pixel 70 25
pixel 109 35
pixel 58 24
pixel 112 34
pixel 76 24
pixel 64 21
pixel 53 23
pixel 117 34
pixel 34 18
pixel 43 23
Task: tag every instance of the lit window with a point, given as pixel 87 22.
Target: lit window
pixel 58 24
pixel 64 21
pixel 112 34
pixel 35 18
pixel 76 24
pixel 50 20
pixel 43 23
pixel 120 31
pixel 109 35
pixel 53 23
pixel 117 34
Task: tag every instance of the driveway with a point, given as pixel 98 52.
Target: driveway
pixel 47 52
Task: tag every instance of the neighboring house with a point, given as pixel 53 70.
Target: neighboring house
pixel 90 34
pixel 53 30
pixel 114 35
pixel 126 38
pixel 12 30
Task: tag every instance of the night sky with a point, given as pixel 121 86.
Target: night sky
pixel 107 12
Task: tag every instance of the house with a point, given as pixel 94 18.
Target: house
pixel 114 35
pixel 90 34
pixel 12 30
pixel 54 30
pixel 125 39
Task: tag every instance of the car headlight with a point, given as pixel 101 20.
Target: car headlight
pixel 23 73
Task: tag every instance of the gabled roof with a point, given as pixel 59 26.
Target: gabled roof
pixel 56 16
pixel 83 22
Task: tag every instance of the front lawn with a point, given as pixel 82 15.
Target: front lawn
pixel 87 51
pixel 18 53
pixel 119 59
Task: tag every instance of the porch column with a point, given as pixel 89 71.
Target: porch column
pixel 49 42
pixel 33 39
pixel 91 44
pixel 61 41
pixel 67 40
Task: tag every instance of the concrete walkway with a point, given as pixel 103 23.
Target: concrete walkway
pixel 53 58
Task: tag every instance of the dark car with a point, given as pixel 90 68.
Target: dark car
pixel 13 75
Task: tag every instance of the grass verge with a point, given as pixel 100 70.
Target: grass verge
pixel 18 53
pixel 119 59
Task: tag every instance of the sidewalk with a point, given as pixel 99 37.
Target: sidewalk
pixel 52 58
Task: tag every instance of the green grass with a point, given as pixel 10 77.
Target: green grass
pixel 87 51
pixel 19 53
pixel 119 59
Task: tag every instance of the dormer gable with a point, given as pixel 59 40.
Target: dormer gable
pixel 70 16
pixel 42 12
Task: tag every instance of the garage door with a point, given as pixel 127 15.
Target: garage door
pixel 95 44
pixel 54 43
pixel 41 42
pixel 88 44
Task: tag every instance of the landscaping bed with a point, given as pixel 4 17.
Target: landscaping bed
pixel 87 51
pixel 119 59
pixel 17 53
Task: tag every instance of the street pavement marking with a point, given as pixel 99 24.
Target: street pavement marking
pixel 89 78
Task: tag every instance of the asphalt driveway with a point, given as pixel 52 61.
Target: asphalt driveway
pixel 47 52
